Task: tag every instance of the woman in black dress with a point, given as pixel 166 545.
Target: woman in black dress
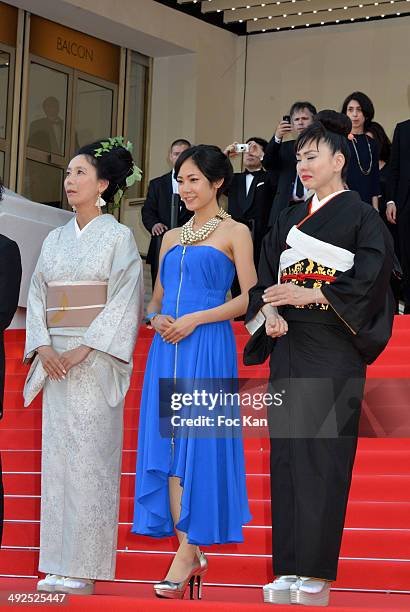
pixel 323 309
pixel 377 132
pixel 363 170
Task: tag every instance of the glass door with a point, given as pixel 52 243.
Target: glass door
pixel 94 103
pixel 66 110
pixel 6 97
pixel 48 127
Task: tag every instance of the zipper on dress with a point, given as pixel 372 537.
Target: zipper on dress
pixel 176 345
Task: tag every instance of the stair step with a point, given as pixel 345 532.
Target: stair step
pixel 364 543
pixel 257 461
pixel 360 514
pixel 364 487
pixel 353 573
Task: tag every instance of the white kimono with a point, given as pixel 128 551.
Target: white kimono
pixel 83 414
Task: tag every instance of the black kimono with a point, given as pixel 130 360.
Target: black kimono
pixel 344 249
pixel 10 276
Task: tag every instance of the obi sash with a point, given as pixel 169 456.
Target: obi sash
pixel 75 304
pixel 302 246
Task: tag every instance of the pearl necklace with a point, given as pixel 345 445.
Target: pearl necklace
pixel 365 172
pixel 189 236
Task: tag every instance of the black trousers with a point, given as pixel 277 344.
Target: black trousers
pixel 153 257
pixel 313 446
pixel 403 229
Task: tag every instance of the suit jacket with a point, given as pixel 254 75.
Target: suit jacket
pixel 157 208
pixel 252 209
pixel 280 157
pixel 398 184
pixel 10 277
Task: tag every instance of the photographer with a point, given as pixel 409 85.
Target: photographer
pixel 280 157
pixel 251 194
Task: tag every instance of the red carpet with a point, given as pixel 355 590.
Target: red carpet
pixel 375 554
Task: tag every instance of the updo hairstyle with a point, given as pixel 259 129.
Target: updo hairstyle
pixel 211 161
pixel 332 128
pixel 114 166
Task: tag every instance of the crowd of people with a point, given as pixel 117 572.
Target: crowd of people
pixel 379 170
pixel 305 211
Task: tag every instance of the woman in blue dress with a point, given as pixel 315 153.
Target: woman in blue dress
pixel 194 485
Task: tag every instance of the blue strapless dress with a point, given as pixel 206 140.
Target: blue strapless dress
pixel 212 470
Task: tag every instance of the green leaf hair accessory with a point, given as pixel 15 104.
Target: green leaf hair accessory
pixel 117 198
pixel 134 177
pixel 108 145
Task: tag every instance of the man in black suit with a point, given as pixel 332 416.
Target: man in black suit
pixel 398 206
pixel 10 277
pixel 156 212
pixel 281 157
pixel 250 196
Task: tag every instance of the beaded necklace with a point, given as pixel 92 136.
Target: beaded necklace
pixel 189 236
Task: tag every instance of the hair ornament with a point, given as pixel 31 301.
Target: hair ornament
pixel 111 143
pixel 136 174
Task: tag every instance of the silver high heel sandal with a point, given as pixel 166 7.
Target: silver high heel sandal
pixel 176 590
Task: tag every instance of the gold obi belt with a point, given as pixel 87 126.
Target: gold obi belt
pixel 75 304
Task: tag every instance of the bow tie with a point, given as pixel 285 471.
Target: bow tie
pixel 251 172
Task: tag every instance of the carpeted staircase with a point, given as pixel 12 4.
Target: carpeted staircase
pixel 375 555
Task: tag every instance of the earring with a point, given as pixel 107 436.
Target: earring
pixel 100 202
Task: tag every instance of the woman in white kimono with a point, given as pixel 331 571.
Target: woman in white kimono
pixel 84 308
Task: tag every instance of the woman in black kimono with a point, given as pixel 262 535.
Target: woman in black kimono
pixel 323 309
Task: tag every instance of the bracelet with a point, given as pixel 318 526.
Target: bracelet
pixel 149 317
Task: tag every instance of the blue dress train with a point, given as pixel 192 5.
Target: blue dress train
pixel 212 470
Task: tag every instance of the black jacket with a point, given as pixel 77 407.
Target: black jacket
pixel 398 184
pixel 10 277
pixel 280 157
pixel 252 209
pixel 157 207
